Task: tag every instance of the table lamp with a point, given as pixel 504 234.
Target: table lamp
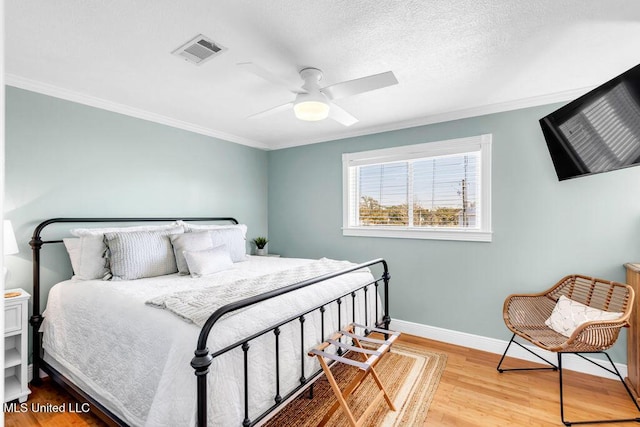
pixel 10 246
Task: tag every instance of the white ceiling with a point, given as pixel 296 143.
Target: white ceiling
pixel 452 58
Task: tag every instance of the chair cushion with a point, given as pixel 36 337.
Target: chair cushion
pixel 567 315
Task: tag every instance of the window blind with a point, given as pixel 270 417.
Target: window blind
pixel 440 191
pixel 437 190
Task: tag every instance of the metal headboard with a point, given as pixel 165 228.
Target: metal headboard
pixel 36 244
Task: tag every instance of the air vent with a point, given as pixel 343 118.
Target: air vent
pixel 199 50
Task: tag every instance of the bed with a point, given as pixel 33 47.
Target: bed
pixel 126 347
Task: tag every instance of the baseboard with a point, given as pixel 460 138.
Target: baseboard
pixel 497 346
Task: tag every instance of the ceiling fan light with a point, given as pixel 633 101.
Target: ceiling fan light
pixel 311 111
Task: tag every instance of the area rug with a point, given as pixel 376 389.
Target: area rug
pixel 410 375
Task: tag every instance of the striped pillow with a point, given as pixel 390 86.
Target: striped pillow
pixel 139 254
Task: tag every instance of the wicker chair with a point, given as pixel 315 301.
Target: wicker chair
pixel 525 316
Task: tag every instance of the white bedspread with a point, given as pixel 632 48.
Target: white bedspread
pixel 197 305
pixel 135 358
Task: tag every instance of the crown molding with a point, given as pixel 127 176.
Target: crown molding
pixel 535 101
pixel 92 101
pixel 58 92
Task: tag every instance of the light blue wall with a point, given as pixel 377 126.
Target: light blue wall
pixel 65 159
pixel 543 228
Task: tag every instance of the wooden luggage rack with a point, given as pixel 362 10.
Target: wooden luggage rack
pixel 370 358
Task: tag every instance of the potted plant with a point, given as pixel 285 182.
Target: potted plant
pixel 260 243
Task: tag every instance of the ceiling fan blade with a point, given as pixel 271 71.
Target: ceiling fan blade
pixel 363 84
pixel 270 77
pixel 274 110
pixel 341 116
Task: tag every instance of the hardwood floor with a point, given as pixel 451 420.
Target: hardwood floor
pixel 471 393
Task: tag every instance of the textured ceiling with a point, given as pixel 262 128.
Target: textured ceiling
pixel 452 58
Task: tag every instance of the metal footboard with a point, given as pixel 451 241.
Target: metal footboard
pixel 203 357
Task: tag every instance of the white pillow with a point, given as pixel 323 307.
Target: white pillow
pixel 138 254
pixel 78 232
pixel 567 315
pixel 196 241
pixel 209 261
pixel 87 255
pixel 188 227
pixel 233 239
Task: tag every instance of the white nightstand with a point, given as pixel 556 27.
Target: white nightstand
pixel 15 346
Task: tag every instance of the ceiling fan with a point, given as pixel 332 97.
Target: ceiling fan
pixel 312 102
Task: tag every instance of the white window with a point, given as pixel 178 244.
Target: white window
pixel 438 190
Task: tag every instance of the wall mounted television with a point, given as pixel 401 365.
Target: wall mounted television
pixel 598 132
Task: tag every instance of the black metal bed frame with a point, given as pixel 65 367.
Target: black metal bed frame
pixel 203 358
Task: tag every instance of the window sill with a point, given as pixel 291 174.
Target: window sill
pixel 404 233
